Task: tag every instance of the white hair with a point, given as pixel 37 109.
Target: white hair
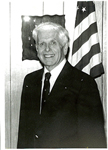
pixel 63 34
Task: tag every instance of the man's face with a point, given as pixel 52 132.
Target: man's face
pixel 49 50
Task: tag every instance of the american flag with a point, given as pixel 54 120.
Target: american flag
pixel 86 54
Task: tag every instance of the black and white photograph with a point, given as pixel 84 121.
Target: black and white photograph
pixel 55 75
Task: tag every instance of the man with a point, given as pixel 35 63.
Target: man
pixel 70 114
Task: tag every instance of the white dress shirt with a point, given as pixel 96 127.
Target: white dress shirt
pixel 54 75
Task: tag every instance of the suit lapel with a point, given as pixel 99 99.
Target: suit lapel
pixel 64 79
pixel 35 89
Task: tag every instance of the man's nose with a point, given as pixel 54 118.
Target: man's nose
pixel 47 47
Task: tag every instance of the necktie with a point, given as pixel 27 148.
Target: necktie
pixel 46 88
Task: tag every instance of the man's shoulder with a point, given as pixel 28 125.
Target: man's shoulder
pixel 79 75
pixel 34 75
pixel 35 72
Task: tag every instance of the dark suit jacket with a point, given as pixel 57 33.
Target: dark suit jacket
pixel 71 118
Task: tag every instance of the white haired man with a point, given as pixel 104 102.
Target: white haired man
pixel 64 110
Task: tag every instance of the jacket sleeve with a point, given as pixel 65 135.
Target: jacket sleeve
pixel 90 116
pixel 22 122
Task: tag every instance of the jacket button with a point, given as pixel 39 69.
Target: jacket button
pixel 36 136
pixel 81 80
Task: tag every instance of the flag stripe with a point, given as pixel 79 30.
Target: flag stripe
pixel 93 62
pixel 84 49
pixel 87 57
pixel 80 14
pixel 84 25
pixel 84 37
pixel 97 70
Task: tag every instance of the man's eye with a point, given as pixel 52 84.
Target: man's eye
pixel 41 44
pixel 53 43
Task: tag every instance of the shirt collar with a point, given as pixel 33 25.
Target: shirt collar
pixel 56 71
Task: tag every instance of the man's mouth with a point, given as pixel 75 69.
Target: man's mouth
pixel 48 55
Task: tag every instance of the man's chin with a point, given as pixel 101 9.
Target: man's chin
pixel 49 66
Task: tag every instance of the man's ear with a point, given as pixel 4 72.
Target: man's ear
pixel 36 47
pixel 65 48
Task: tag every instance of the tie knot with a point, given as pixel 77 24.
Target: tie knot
pixel 47 75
